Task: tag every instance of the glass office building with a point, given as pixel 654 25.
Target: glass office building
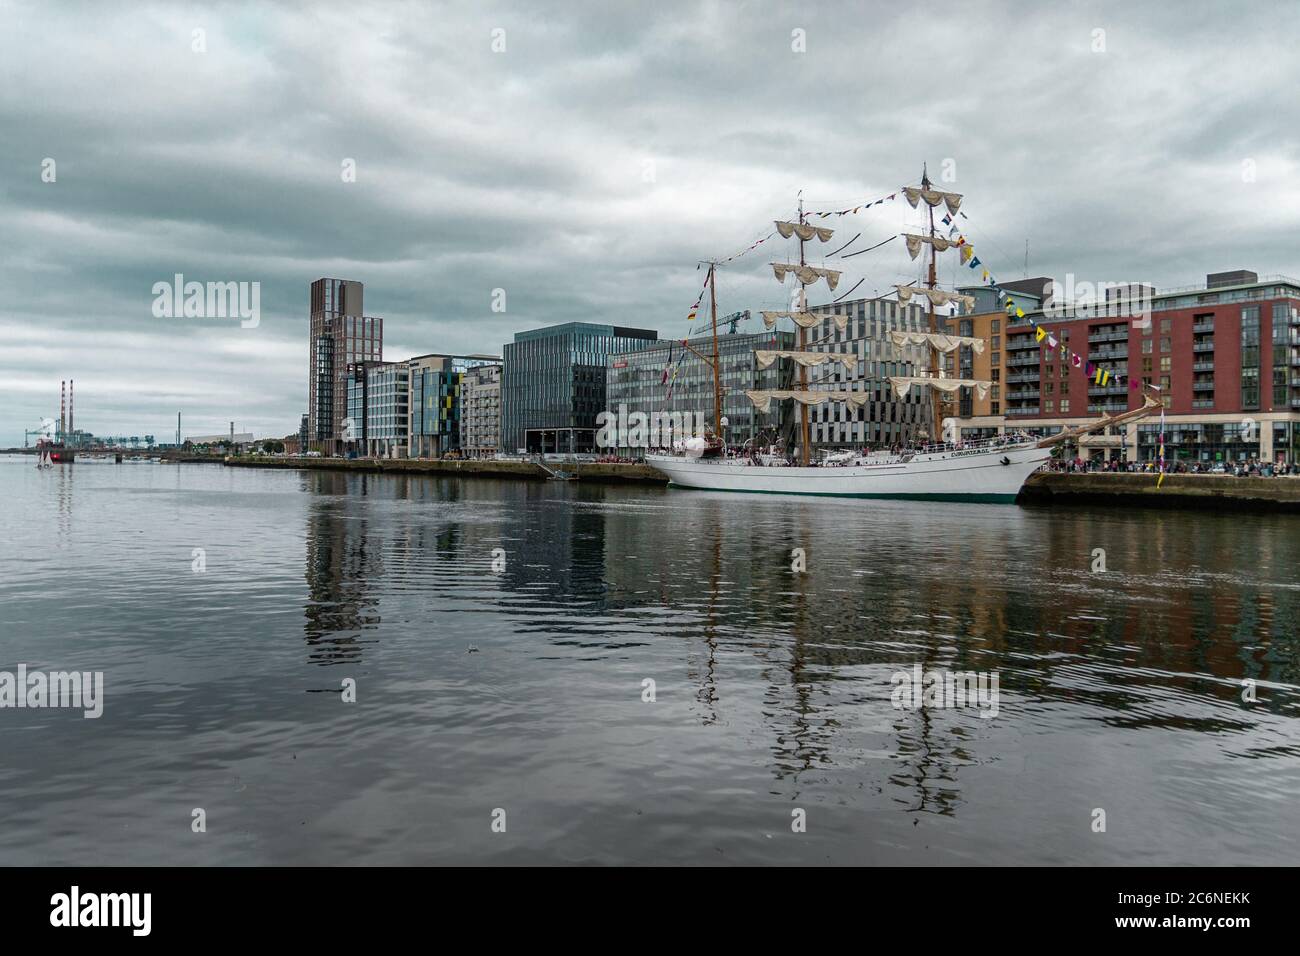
pixel 354 425
pixel 885 419
pixel 387 403
pixel 636 380
pixel 553 384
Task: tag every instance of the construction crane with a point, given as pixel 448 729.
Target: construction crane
pixel 733 319
pixel 47 430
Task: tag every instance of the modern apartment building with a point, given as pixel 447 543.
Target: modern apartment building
pixel 434 405
pixel 480 417
pixel 553 384
pixel 1225 355
pixel 635 380
pixel 340 335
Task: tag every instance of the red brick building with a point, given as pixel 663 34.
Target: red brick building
pixel 1226 356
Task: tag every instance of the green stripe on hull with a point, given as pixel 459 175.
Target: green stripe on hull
pixel 974 498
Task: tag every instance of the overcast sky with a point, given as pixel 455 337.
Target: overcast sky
pixel 586 168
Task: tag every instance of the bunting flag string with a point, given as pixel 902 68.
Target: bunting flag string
pixel 1099 375
pixel 750 248
pixel 1048 341
pixel 858 207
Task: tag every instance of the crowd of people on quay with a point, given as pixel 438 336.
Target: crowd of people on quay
pixel 1247 468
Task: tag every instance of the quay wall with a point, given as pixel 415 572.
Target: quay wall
pixel 1219 492
pixel 1211 492
pixel 486 467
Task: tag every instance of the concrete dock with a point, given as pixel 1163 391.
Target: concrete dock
pixel 1217 492
pixel 485 468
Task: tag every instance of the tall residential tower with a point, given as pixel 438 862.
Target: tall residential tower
pixel 341 334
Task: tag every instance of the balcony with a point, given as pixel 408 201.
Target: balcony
pixel 1023 360
pixel 1203 403
pixel 1098 391
pixel 1203 386
pixel 1025 410
pixel 1203 366
pixel 1205 325
pixel 1024 394
pixel 1205 345
pixel 1020 344
pixel 1106 354
pixel 1117 335
pixel 1107 407
pixel 1022 377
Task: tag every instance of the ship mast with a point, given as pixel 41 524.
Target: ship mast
pixel 803 345
pixel 717 362
pixel 936 401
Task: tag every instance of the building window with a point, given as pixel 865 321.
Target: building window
pixel 1065 405
pixel 1049 406
pixel 1165 344
pixel 1250 357
pixel 1164 363
pixel 1146 346
pixel 1165 326
pixel 995 326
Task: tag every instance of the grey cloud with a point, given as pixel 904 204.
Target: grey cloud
pixel 526 170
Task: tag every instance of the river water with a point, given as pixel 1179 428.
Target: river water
pixel 499 637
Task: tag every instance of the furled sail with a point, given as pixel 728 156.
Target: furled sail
pixel 932 197
pixel 937 297
pixel 807 274
pixel 803 231
pixel 806 320
pixel 903 384
pixel 939 340
pixel 914 243
pixel 762 397
pixel 766 357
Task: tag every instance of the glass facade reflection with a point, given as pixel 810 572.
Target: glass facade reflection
pixel 636 379
pixel 553 383
pixel 885 419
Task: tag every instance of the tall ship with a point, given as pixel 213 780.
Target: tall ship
pixel 992 469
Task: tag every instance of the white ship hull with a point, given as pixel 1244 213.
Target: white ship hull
pixel 985 474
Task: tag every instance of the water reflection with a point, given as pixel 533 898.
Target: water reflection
pixel 522 687
pixel 1160 641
